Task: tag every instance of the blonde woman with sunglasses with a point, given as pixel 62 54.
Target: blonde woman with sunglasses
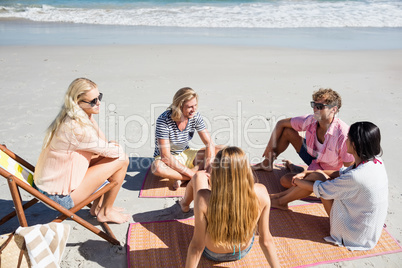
pixel 76 158
pixel 229 209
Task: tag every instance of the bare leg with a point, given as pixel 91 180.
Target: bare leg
pixel 267 164
pixel 97 203
pixel 188 197
pixel 200 157
pixel 295 193
pixel 286 180
pixel 280 194
pixel 327 205
pixel 105 168
pixel 162 170
pixel 199 161
pixel 288 136
pixel 199 181
pixel 96 206
pixel 176 184
pixel 107 212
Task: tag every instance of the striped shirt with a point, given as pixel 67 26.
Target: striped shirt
pixel 167 129
pixel 333 151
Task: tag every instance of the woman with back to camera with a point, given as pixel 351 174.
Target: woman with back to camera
pixel 228 214
pixel 76 158
pixel 356 198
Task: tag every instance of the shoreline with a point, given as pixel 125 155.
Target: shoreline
pixel 22 32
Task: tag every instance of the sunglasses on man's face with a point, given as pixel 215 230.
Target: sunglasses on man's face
pixel 320 106
pixel 94 101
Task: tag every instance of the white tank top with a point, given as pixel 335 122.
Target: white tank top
pixel 318 147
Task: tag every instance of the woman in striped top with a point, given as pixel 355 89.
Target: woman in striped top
pixel 174 159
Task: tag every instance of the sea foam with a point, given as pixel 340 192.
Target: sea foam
pixel 272 14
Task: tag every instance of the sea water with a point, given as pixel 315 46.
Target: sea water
pixel 378 23
pixel 214 14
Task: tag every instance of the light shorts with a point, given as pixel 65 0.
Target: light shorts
pixel 186 157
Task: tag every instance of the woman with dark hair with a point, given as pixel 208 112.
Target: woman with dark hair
pixel 356 198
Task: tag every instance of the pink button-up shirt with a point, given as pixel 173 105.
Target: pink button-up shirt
pixel 334 151
pixel 63 164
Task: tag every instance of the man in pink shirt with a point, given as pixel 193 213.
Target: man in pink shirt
pixel 324 145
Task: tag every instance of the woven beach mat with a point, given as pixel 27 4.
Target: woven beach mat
pixel 154 186
pixel 298 236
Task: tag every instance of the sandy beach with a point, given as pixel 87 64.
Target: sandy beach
pixel 243 89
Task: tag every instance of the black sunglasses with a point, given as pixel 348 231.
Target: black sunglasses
pixel 320 106
pixel 94 101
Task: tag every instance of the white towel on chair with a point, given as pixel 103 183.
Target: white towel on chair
pixel 45 243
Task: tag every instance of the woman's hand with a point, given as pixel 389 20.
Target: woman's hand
pixel 113 142
pixel 326 175
pixel 295 182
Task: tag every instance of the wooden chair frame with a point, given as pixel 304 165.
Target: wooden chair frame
pixel 15 183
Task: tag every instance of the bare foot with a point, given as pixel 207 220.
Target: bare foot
pixel 184 208
pixel 95 210
pixel 112 216
pixel 176 184
pixel 119 209
pixel 288 164
pixel 276 204
pixel 264 165
pixel 277 195
pixel 280 194
pixel 292 167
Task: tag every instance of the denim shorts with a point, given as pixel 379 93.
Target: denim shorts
pixel 227 256
pixel 63 200
pixel 304 155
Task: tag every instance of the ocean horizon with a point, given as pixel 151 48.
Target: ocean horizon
pixel 310 24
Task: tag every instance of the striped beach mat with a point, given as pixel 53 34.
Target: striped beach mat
pixel 298 236
pixel 154 186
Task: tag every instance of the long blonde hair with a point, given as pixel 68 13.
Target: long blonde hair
pixel 74 95
pixel 233 208
pixel 182 95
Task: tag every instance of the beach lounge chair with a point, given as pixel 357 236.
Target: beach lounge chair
pixel 19 174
